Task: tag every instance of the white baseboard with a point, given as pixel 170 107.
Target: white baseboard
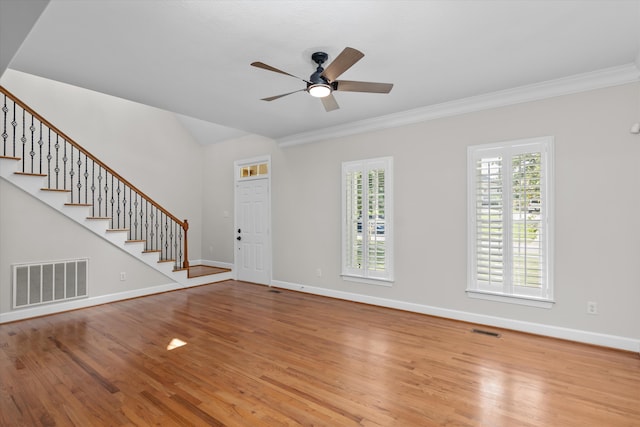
pixel 604 340
pixel 44 310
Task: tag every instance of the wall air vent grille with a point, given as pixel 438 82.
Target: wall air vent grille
pixel 48 282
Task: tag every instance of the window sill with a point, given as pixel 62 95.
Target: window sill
pixel 367 280
pixel 512 299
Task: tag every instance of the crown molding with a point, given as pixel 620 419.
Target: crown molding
pixel 565 86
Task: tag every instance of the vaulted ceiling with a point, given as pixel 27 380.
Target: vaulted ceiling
pixel 192 57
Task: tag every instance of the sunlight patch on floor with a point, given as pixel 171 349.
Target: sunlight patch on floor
pixel 175 343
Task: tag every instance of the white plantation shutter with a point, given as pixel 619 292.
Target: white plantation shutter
pixel 509 218
pixel 354 249
pixel 367 243
pixel 489 238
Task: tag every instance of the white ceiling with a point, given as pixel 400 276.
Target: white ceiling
pixel 192 57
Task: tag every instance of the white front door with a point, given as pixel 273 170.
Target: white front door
pixel 253 245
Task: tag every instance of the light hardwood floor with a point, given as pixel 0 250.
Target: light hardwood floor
pixel 254 357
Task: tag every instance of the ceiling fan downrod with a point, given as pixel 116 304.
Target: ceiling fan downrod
pixel 318 85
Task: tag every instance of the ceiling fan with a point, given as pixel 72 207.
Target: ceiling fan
pixel 322 83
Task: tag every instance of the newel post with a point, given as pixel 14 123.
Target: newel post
pixel 185 262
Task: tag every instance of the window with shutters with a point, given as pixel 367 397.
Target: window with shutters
pixel 367 227
pixel 510 221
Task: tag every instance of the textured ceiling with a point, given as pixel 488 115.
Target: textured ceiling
pixel 192 57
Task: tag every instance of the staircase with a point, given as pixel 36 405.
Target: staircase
pixel 41 160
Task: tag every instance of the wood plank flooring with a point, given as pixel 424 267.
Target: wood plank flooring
pixel 255 357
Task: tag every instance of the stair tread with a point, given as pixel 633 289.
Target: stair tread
pixel 135 241
pixel 31 174
pixel 117 229
pixel 61 190
pixel 10 158
pixel 78 204
pixel 98 217
pixel 146 251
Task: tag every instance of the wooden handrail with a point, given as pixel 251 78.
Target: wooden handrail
pixel 85 151
pixel 182 223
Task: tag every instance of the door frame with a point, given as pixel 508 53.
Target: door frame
pixel 237 167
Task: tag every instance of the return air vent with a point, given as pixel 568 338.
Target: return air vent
pixel 483 332
pixel 55 281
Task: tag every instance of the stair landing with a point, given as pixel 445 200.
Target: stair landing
pixel 205 270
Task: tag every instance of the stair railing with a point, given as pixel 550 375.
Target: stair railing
pixel 42 149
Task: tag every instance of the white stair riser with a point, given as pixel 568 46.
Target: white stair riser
pixel 77 213
pixel 118 238
pixel 134 248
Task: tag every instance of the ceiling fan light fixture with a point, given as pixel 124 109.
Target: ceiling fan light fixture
pixel 319 90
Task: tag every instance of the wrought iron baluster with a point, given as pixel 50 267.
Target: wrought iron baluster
pixel 171 252
pixel 86 179
pixel 14 124
pixel 163 236
pixel 124 207
pixel 65 159
pixel 79 182
pixel 112 201
pixel 118 211
pixel 49 157
pixel 158 227
pixel 179 257
pixel 23 140
pixel 5 135
pixel 32 153
pixel 135 215
pixel 71 174
pixel 131 232
pixel 40 143
pixel 93 188
pixel 106 193
pixel 146 226
pixel 177 243
pixel 158 230
pixel 57 169
pixel 100 191
pixel 153 233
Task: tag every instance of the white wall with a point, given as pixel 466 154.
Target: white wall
pixel 597 192
pixel 31 231
pixel 597 185
pixel 147 146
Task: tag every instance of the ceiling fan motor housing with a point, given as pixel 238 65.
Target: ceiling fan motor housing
pixel 319 57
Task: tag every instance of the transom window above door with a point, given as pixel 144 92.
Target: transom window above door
pixel 254 170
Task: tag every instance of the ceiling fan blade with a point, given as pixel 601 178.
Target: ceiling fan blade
pixel 272 98
pixel 275 70
pixel 351 86
pixel 329 103
pixel 342 63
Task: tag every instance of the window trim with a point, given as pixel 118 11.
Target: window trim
pixel 545 145
pixel 363 275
